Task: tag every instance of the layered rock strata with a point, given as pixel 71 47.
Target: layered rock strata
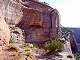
pixel 38 22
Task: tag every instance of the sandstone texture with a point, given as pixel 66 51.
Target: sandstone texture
pixel 31 21
pixel 37 22
pixel 4 32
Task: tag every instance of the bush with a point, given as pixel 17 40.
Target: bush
pixel 11 41
pixel 29 53
pixel 54 46
pixel 13 47
pixel 69 56
pixel 36 45
pixel 25 45
pixel 14 53
pixel 27 49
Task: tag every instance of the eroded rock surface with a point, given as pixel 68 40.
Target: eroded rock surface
pixel 4 32
pixel 73 43
pixel 37 21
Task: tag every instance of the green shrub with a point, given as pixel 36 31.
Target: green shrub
pixel 47 46
pixel 35 45
pixel 27 49
pixel 21 58
pixel 11 41
pixel 25 45
pixel 54 46
pixel 69 56
pixel 14 53
pixel 29 53
pixel 12 46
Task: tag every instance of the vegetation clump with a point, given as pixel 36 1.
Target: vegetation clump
pixel 14 53
pixel 25 45
pixel 29 53
pixel 13 47
pixel 21 58
pixel 27 49
pixel 11 41
pixel 54 46
pixel 35 45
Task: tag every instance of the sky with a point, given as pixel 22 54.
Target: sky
pixel 69 11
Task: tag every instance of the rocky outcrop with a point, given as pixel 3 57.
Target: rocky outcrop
pixel 11 10
pixel 68 36
pixel 4 32
pixel 37 21
pixel 17 35
pixel 73 43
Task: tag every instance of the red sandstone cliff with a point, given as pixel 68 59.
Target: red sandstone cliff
pixel 38 22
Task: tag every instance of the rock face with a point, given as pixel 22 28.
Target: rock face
pixel 68 36
pixel 4 32
pixel 38 22
pixel 73 43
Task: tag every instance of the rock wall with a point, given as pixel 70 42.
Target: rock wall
pixel 68 37
pixel 73 43
pixel 11 11
pixel 4 32
pixel 37 22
